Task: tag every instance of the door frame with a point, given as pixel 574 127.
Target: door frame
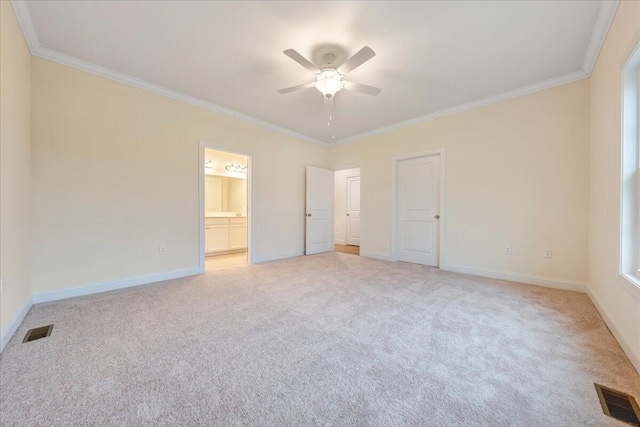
pixel 344 168
pixel 394 201
pixel 347 227
pixel 202 145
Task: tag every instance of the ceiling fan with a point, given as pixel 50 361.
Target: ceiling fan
pixel 329 79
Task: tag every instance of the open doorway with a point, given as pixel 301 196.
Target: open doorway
pixel 224 209
pixel 347 211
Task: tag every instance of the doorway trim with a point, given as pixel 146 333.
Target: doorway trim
pixel 343 168
pixel 202 145
pixel 394 201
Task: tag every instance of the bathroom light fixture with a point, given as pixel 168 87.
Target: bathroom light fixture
pixel 208 164
pixel 236 168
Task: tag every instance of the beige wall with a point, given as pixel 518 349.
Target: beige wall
pixel 116 175
pixel 516 174
pixel 15 168
pixel 618 298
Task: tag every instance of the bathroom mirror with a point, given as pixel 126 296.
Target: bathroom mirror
pixel 224 194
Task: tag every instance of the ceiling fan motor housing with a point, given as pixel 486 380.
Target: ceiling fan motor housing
pixel 329 58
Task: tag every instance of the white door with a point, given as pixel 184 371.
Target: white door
pixel 418 197
pixel 319 215
pixel 353 210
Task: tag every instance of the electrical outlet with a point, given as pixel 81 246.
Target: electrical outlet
pixel 508 250
pixel 548 253
pixel 162 249
pixel 1 285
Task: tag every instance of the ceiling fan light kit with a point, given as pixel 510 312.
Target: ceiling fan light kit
pixel 329 82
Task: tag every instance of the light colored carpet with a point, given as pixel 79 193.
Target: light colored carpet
pixel 330 339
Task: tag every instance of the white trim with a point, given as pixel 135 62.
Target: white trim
pixel 276 257
pixel 607 12
pixel 633 280
pixel 547 282
pixel 634 358
pixel 377 256
pixel 443 198
pixel 14 324
pixel 629 136
pixel 202 145
pixel 88 67
pixel 344 168
pixel 70 61
pixel 362 227
pixel 39 297
pixel 21 10
pixel 23 16
pixel 525 90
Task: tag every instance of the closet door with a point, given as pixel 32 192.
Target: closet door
pixel 418 203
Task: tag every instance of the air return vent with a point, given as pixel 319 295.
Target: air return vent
pixel 619 405
pixel 37 333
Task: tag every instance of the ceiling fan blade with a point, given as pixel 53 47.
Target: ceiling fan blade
pixel 298 87
pixel 362 56
pixel 302 60
pixel 358 87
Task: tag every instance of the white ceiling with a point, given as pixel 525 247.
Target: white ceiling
pixel 432 57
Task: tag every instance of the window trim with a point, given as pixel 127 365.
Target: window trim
pixel 629 254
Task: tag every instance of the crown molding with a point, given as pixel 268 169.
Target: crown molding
pixel 70 61
pixel 607 12
pixel 21 9
pixel 23 16
pixel 525 90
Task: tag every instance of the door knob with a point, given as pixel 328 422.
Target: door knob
pixel 308 214
pixel 437 217
pixel 348 215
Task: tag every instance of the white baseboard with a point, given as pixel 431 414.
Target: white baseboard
pixel 634 358
pixel 567 285
pixel 377 256
pixel 276 257
pixel 12 327
pixel 111 285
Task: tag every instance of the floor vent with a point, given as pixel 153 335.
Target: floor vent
pixel 37 333
pixel 619 405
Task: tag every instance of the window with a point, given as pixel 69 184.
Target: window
pixel 630 172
